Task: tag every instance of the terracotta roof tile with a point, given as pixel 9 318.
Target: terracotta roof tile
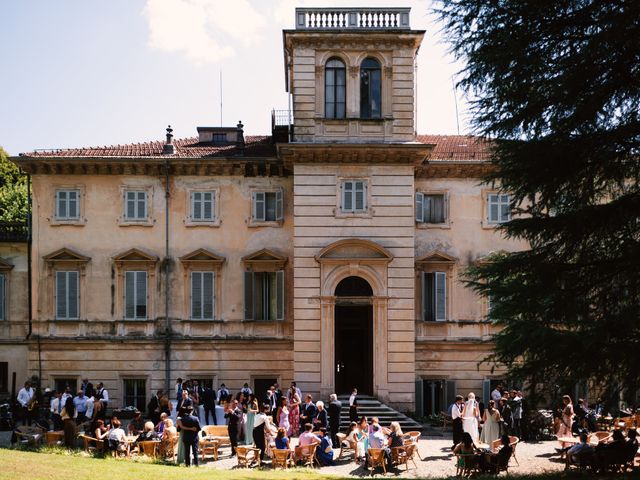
pixel 255 146
pixel 457 148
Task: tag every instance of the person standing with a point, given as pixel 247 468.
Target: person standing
pixel 68 416
pixel 294 410
pixel 352 398
pixel 234 414
pixel 491 429
pixel 249 425
pixel 86 387
pixel 516 413
pixel 566 419
pixel 259 424
pixel 496 394
pixel 153 408
pixel 190 425
pixel 456 415
pixel 223 394
pixel 56 410
pixel 103 396
pixel 505 413
pixel 26 399
pixel 470 415
pixel 335 406
pixel 80 402
pixel 209 404
pixel 308 412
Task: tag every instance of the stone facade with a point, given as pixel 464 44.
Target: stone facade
pixel 310 245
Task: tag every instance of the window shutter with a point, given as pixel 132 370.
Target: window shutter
pixel 440 296
pixel 486 390
pixel 438 209
pixel 130 205
pixel 62 204
pixel 347 196
pixel 428 209
pixel 248 296
pixel 141 295
pixel 426 295
pixel 3 295
pixel 72 204
pixel 419 207
pixel 195 205
pixel 207 295
pixel 196 295
pixel 72 290
pixel 450 392
pixel 207 201
pixel 142 205
pixel 419 400
pixel 279 206
pixel 280 295
pixel 258 206
pixel 129 294
pixel 61 294
pixel 359 189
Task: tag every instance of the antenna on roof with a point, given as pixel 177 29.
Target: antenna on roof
pixel 455 101
pixel 220 97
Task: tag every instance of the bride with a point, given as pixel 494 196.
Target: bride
pixel 470 415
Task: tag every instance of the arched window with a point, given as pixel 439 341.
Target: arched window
pixel 335 89
pixel 370 89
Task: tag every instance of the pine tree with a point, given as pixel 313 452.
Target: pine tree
pixel 556 85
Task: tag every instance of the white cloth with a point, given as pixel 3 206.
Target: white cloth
pixel 118 435
pixel 470 420
pixel 56 405
pixel 260 418
pixel 105 396
pixel 351 399
pixel 496 396
pixel 456 411
pixel 25 395
pixel 90 405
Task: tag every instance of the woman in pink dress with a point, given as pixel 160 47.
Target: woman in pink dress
pixel 566 420
pixel 294 411
pixel 283 415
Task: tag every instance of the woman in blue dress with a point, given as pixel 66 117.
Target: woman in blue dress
pixel 252 410
pixel 324 451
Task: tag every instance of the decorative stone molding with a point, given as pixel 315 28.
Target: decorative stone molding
pixel 66 258
pixel 353 70
pixel 264 261
pixel 388 71
pixel 5 266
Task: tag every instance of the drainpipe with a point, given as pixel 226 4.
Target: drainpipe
pixel 29 290
pixel 168 149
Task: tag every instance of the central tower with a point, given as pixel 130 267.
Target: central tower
pixel 351 74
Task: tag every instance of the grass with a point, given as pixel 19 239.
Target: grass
pixel 57 463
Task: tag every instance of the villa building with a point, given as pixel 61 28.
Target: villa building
pixel 331 253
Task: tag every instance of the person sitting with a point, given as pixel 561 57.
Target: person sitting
pixel 160 426
pixel 308 437
pixel 577 453
pixel 136 426
pixel 395 435
pixel 324 452
pixel 465 449
pixel 617 443
pixel 357 437
pixel 378 440
pixel 494 462
pixel 147 434
pixel 117 437
pixel 169 433
pixel 282 441
pixel 100 432
pixel 632 437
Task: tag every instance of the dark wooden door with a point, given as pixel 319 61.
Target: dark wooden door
pixel 354 348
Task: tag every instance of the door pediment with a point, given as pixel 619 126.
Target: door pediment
pixel 354 250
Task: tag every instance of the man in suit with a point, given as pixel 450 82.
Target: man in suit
pixel 234 414
pixel 190 426
pixel 153 408
pixel 87 387
pixel 272 400
pixel 223 393
pixel 307 412
pixel 456 415
pixel 334 417
pixel 209 403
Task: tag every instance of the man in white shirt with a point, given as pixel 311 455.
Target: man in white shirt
pixel 456 416
pixel 496 394
pixel 56 408
pixel 103 396
pixel 25 397
pixel 90 404
pixel 223 393
pixel 353 396
pixel 80 402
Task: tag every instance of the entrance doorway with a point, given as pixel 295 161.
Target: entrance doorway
pixel 353 336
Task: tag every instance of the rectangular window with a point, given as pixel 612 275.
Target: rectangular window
pixel 264 295
pixel 3 296
pixel 219 137
pixel 202 295
pixel 62 384
pixel 67 295
pixel 354 196
pixel 135 205
pixel 430 208
pixel 67 204
pixel 498 208
pixel 135 393
pixel 135 295
pixel 202 206
pixel 267 206
pixel 434 296
pixel 4 377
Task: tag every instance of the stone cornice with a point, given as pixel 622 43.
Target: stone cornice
pixel 353 153
pixel 452 169
pixel 349 40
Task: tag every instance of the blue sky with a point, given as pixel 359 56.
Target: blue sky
pixel 90 72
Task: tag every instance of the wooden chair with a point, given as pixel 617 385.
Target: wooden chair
pixel 307 455
pixel 599 437
pixel 400 455
pixel 513 443
pixel 218 432
pixel 169 447
pixel 54 438
pixel 247 455
pixel 282 458
pixel 209 445
pixel 376 459
pixel 346 447
pixel 149 448
pixel 414 437
pixel 466 464
pixel 91 444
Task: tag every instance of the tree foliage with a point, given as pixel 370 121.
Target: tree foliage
pixel 556 84
pixel 13 191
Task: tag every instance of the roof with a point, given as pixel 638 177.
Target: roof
pixel 255 146
pixel 457 148
pixel 452 148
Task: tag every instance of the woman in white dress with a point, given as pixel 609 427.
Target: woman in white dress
pixel 470 416
pixel 491 427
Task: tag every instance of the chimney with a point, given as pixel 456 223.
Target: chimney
pixel 169 148
pixel 240 138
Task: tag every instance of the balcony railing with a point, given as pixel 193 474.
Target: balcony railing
pixel 352 18
pixel 13 232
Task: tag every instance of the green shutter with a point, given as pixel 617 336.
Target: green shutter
pixel 440 296
pixel 207 295
pixel 61 295
pixel 280 294
pixel 248 296
pixel 419 207
pixel 196 295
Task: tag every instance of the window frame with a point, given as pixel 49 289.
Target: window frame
pixel 341 196
pixel 250 282
pixel 135 378
pixel 260 220
pixel 66 273
pixel 334 70
pixel 442 275
pixel 135 316
pixel 56 220
pixel 432 263
pixel 487 208
pixel 201 273
pixel 419 216
pixel 367 113
pixel 191 221
pixel 124 220
pixel 67 192
pixel 264 261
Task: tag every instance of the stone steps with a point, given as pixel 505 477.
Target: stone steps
pixel 371 407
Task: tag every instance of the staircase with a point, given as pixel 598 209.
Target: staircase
pixel 369 406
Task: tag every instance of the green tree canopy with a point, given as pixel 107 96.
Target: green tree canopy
pixel 556 84
pixel 13 191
